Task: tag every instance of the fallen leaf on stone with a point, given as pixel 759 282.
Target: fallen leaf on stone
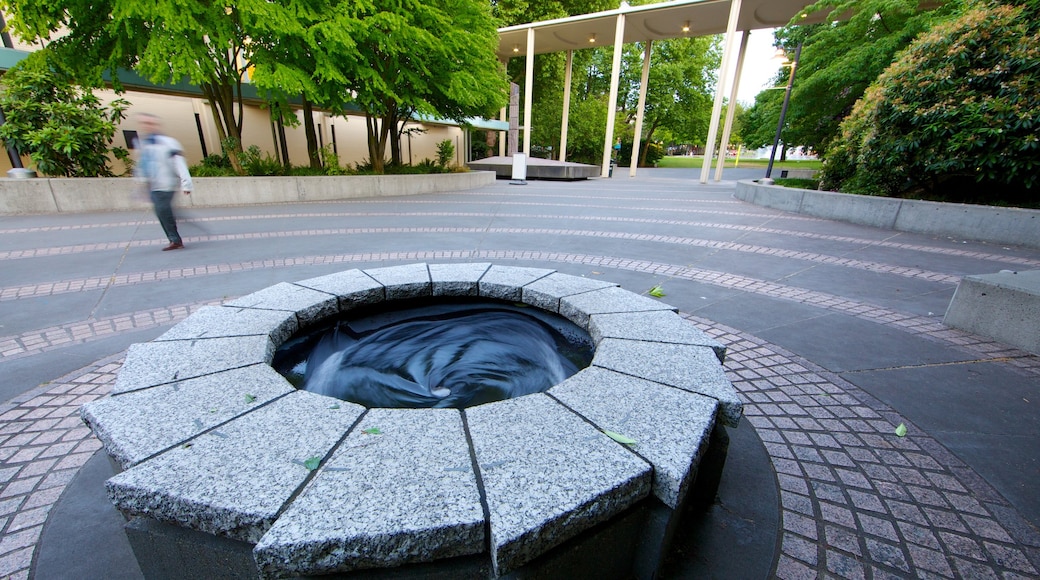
pixel 901 430
pixel 620 438
pixel 372 431
pixel 250 398
pixel 656 292
pixel 312 463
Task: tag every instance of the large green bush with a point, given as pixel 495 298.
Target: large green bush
pixel 63 128
pixel 956 117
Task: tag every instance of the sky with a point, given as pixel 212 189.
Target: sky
pixel 759 68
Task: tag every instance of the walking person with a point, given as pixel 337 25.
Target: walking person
pixel 161 167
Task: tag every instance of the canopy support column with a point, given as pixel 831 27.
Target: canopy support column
pixel 732 108
pixel 528 91
pixel 615 75
pixel 639 109
pixel 566 105
pixel 716 110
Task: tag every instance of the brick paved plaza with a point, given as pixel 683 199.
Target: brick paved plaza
pixel 834 333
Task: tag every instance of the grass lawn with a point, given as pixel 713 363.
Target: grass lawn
pixel 696 163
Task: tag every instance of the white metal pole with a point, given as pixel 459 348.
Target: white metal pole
pixel 528 91
pixel 639 109
pixel 615 75
pixel 566 105
pixel 732 108
pixel 716 110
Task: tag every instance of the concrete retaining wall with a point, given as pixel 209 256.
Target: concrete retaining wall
pixel 78 195
pixel 1000 225
pixel 1004 306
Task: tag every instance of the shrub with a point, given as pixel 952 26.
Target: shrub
pixel 61 127
pixel 445 152
pixel 256 162
pixel 955 117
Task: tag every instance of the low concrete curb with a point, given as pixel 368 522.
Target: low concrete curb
pixel 1004 306
pixel 78 195
pixel 213 440
pixel 999 225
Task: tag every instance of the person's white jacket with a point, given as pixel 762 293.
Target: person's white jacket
pixel 160 164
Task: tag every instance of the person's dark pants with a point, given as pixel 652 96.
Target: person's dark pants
pixel 163 202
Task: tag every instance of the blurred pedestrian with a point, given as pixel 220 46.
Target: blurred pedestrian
pixel 161 167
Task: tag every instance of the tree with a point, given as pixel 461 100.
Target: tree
pixel 955 117
pixel 62 127
pixel 839 59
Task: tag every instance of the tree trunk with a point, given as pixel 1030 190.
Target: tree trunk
pixel 375 147
pixel 230 136
pixel 312 138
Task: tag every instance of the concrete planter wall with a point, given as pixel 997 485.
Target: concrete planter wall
pixel 999 225
pixel 77 195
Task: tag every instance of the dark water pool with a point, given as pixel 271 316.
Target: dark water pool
pixel 452 354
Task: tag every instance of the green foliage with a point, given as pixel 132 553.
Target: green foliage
pixel 839 59
pixel 330 161
pixel 62 127
pixel 445 152
pixel 956 117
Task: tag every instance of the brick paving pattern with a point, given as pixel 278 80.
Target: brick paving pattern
pixel 856 500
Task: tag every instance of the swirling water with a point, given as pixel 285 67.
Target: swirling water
pixel 447 355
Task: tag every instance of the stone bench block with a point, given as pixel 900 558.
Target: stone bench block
pixel 548 475
pixel 157 363
pixel 404 282
pixel 1004 306
pixel 136 425
pixel 457 279
pixel 227 321
pixel 691 368
pixel 507 282
pixel 580 307
pixel 309 305
pixel 671 427
pixel 400 493
pixel 354 288
pixel 545 293
pixel 232 481
pixel 652 327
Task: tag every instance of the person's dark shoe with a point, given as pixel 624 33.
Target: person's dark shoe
pixel 173 246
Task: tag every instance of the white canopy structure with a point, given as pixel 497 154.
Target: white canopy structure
pixel 627 24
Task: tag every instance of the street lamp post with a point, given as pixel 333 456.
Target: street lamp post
pixel 783 109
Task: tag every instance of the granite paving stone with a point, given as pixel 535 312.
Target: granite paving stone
pixel 232 481
pixel 507 282
pixel 580 307
pixel 400 489
pixel 652 327
pixel 691 368
pixel 671 427
pixel 545 293
pixel 157 363
pixel 309 305
pixel 403 282
pixel 128 424
pixel 548 475
pixel 457 279
pixel 354 288
pixel 228 321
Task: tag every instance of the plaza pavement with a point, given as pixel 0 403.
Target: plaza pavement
pixel 834 334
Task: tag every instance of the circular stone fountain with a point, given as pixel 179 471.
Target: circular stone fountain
pixel 222 453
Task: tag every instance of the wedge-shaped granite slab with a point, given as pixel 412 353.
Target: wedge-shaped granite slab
pixel 652 327
pixel 400 489
pixel 354 288
pixel 671 427
pixel 548 475
pixel 136 425
pixel 545 293
pixel 457 279
pixel 690 368
pixel 309 305
pixel 506 282
pixel 157 363
pixel 225 321
pixel 403 282
pixel 580 307
pixel 231 481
